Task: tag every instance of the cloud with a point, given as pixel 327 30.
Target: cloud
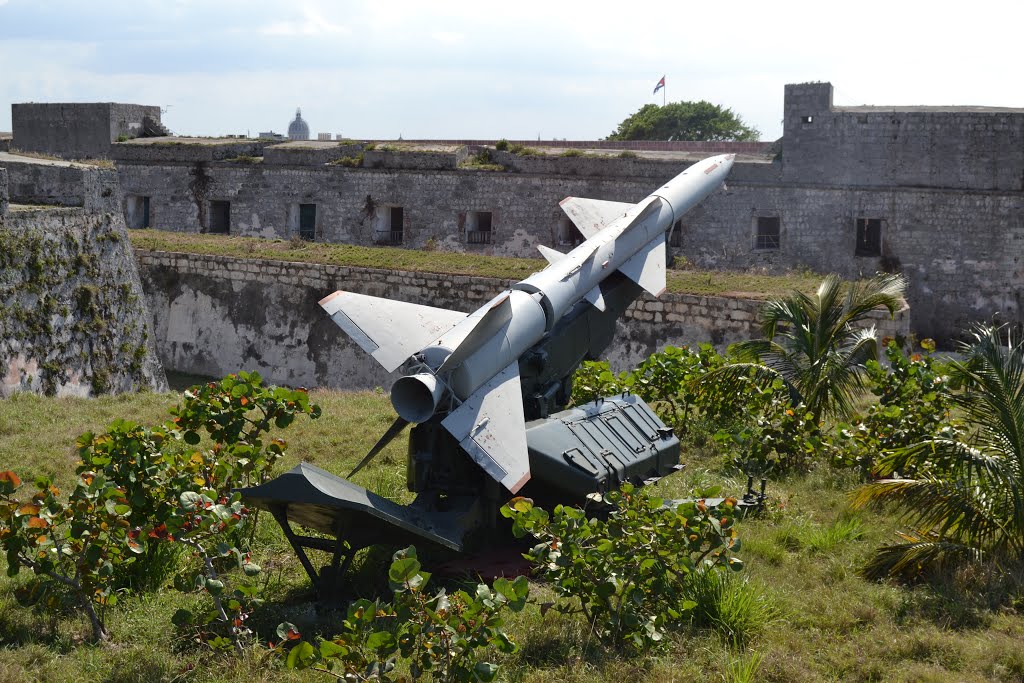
pixel 311 24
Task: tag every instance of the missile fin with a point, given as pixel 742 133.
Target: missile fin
pixel 491 427
pixel 647 267
pixel 552 255
pixel 374 323
pixel 596 298
pixel 489 319
pixel 592 215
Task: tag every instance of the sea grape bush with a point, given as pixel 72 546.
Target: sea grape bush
pixel 777 437
pixel 439 635
pixel 627 574
pixel 669 381
pixel 141 489
pixel 914 405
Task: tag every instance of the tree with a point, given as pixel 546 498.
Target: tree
pixel 685 121
pixel 966 501
pixel 814 343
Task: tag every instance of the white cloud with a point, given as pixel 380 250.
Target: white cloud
pixel 312 24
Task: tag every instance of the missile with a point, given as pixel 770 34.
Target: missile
pixel 465 368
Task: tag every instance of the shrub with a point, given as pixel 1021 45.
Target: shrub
pixel 440 635
pixel 914 403
pixel 139 489
pixel 501 145
pixel 777 438
pixel 627 575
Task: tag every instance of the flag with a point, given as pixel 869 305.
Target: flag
pixel 661 84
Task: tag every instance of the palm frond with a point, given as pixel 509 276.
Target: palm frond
pixel 909 560
pixel 952 509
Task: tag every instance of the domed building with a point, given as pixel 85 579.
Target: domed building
pixel 298 129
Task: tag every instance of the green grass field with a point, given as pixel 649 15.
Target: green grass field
pixel 813 617
pixel 682 280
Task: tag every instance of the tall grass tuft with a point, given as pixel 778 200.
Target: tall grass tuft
pixel 735 607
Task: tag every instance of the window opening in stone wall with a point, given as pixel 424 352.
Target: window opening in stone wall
pixel 806 119
pixel 478 227
pixel 568 234
pixel 220 217
pixel 768 232
pixel 137 211
pixel 869 237
pixel 389 225
pixel 307 221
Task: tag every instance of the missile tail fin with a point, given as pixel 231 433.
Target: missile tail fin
pixel 596 298
pixel 591 215
pixel 552 255
pixel 372 323
pixel 647 267
pixel 491 427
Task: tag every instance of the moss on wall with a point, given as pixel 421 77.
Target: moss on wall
pixel 72 319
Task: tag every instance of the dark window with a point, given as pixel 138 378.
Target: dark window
pixel 307 221
pixel 137 211
pixel 806 119
pixel 568 234
pixel 479 227
pixel 767 232
pixel 397 224
pixel 869 237
pixel 220 217
pixel 388 226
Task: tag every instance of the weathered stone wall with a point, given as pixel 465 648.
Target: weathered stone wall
pixel 4 197
pixel 971 148
pixel 214 315
pixel 33 181
pixel 76 130
pixel 962 252
pixel 73 319
pixel 61 183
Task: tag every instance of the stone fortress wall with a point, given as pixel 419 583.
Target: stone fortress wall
pixel 76 130
pixel 936 192
pixel 73 317
pixel 214 315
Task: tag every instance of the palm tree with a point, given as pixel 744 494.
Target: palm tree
pixel 814 343
pixel 967 502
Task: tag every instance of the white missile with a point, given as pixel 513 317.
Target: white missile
pixel 467 366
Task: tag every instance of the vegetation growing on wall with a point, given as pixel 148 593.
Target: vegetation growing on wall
pixel 67 306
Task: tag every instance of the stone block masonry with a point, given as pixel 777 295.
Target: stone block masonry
pixel 4 197
pixel 73 319
pixel 76 130
pixel 214 315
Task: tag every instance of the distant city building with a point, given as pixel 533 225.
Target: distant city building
pixel 298 129
pixel 339 136
pixel 323 136
pixel 271 135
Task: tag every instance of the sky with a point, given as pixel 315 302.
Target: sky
pixel 523 70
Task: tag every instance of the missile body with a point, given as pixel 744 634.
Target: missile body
pixel 468 365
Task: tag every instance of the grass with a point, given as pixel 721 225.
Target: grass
pixel 799 611
pixel 751 285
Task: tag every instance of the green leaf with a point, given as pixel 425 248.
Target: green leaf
pixel 191 438
pixel 485 671
pixel 403 569
pixel 302 656
pixel 381 640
